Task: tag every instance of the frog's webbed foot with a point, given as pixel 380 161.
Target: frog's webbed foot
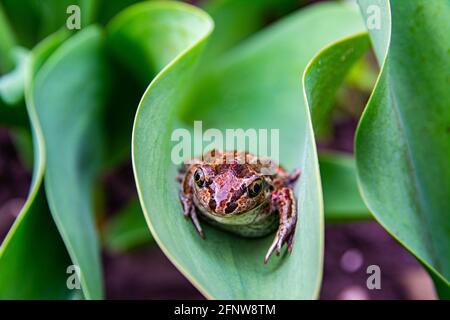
pixel 283 200
pixel 189 211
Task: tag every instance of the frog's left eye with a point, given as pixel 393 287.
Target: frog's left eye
pixel 255 188
pixel 199 177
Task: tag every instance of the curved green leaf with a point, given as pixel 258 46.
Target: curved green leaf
pixel 33 254
pixel 12 84
pixel 154 43
pixel 256 85
pixel 323 77
pixel 65 116
pixel 69 112
pixel 402 143
pixel 327 72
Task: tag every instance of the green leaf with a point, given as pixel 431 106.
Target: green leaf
pixel 33 254
pixel 402 143
pixel 7 42
pixel 65 122
pixel 342 200
pixel 69 94
pixel 326 74
pixel 33 259
pixel 163 42
pixel 235 20
pixel 12 84
pixel 323 77
pixel 33 20
pixel 127 229
pixel 441 286
pixel 256 85
pixel 106 9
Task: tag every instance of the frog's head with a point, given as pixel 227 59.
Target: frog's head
pixel 229 189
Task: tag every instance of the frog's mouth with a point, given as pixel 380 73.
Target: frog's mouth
pixel 233 215
pixel 247 217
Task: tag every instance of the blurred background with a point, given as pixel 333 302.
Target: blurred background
pixel 136 268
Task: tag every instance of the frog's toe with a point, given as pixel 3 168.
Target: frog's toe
pixel 293 177
pixel 290 242
pixel 278 242
pixel 270 251
pixel 196 223
pixel 186 203
pixel 186 210
pixel 198 227
pixel 276 246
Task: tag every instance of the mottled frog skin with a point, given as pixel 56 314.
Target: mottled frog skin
pixel 240 193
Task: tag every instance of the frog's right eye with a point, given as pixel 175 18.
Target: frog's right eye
pixel 199 177
pixel 255 188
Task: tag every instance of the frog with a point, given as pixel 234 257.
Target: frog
pixel 241 193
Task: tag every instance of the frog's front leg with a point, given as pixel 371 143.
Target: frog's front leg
pixel 283 201
pixel 186 197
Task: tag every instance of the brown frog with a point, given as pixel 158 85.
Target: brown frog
pixel 241 193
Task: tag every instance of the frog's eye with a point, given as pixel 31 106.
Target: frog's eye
pixel 199 177
pixel 255 188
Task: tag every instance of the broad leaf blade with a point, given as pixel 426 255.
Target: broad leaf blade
pixel 323 77
pixel 155 43
pixel 33 258
pixel 33 253
pixel 326 74
pixel 69 112
pixel 240 92
pixel 402 144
